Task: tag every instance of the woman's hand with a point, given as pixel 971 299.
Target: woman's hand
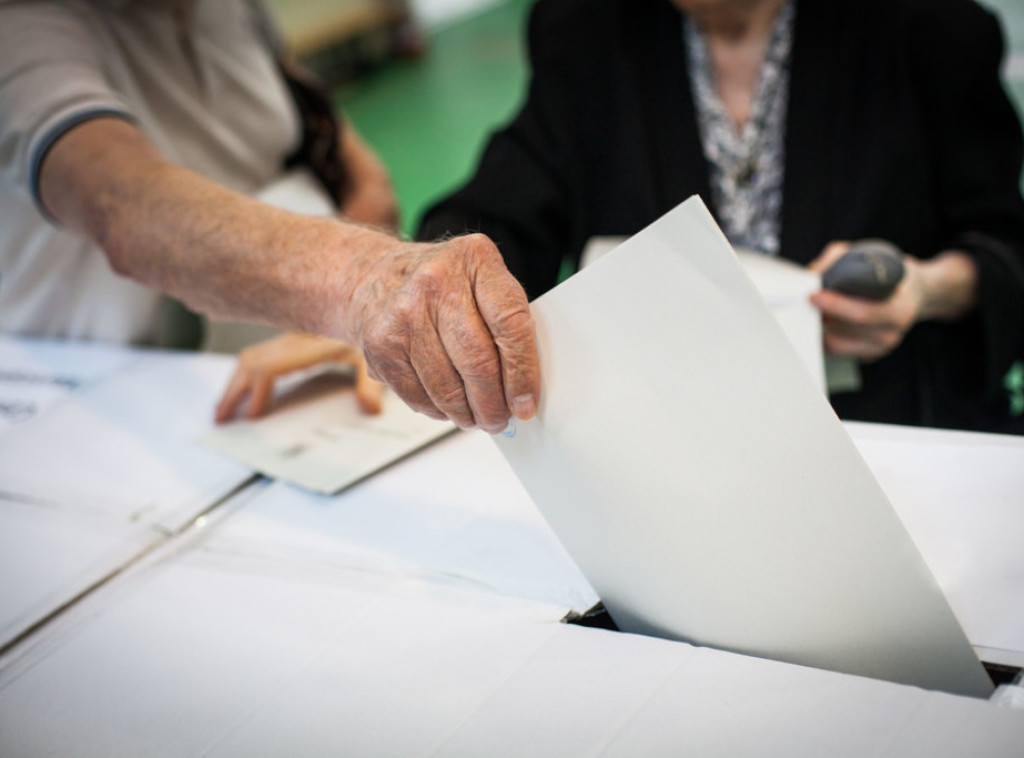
pixel 943 288
pixel 260 366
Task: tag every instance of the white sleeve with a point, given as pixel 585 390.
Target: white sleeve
pixel 51 79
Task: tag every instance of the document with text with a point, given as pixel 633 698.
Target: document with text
pixel 318 438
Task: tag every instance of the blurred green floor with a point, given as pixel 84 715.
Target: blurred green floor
pixel 428 118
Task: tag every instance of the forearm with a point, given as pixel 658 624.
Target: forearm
pixel 949 286
pixel 219 251
pixel 445 325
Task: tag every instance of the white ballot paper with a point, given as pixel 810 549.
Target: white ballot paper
pixel 320 440
pixel 786 288
pixel 701 481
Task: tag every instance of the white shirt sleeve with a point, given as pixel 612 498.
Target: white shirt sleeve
pixel 51 79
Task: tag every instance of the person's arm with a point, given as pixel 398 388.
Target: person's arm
pixel 974 136
pixel 443 324
pixel 370 198
pixel 943 288
pixel 972 279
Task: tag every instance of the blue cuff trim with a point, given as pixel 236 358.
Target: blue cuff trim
pixel 50 138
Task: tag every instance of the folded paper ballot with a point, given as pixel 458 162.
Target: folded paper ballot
pixel 318 438
pixel 704 485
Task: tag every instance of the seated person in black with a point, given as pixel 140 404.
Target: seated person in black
pixel 802 123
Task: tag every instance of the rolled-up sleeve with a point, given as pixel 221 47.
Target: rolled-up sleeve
pixel 52 78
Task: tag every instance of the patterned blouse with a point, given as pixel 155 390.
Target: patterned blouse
pixel 746 164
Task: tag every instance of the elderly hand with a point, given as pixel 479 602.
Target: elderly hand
pixel 449 329
pixel 261 365
pixel 943 288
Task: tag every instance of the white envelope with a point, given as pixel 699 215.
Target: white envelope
pixel 701 481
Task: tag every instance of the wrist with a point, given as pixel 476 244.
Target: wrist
pixel 949 284
pixel 364 276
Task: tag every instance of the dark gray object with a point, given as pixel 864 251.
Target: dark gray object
pixel 870 269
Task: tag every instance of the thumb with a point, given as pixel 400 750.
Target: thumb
pixel 833 252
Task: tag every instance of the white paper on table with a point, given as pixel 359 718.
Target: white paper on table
pixel 35 375
pixel 710 503
pixel 960 495
pixel 50 556
pixel 321 441
pixel 454 515
pixel 126 446
pixel 786 288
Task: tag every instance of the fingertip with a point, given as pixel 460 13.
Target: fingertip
pixel 524 407
pixel 371 405
pixel 259 398
pixel 495 428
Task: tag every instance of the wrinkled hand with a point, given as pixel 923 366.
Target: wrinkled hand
pixel 449 329
pixel 261 365
pixel 866 329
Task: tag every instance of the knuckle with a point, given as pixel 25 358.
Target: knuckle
pixel 481 247
pixel 419 403
pixel 384 368
pixel 429 279
pixel 426 408
pixel 512 323
pixel 404 311
pixel 383 337
pixel 481 366
pixel 450 397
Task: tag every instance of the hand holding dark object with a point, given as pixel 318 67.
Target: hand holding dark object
pixel 872 323
pixel 871 269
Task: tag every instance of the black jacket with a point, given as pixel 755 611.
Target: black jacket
pixel 897 127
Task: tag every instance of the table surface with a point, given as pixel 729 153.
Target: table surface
pixel 160 599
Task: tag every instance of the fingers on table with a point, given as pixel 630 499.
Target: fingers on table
pixel 236 391
pixel 369 393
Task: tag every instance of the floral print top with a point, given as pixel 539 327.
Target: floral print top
pixel 746 163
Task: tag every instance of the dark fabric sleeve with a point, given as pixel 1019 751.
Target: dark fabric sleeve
pixel 977 146
pixel 521 195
